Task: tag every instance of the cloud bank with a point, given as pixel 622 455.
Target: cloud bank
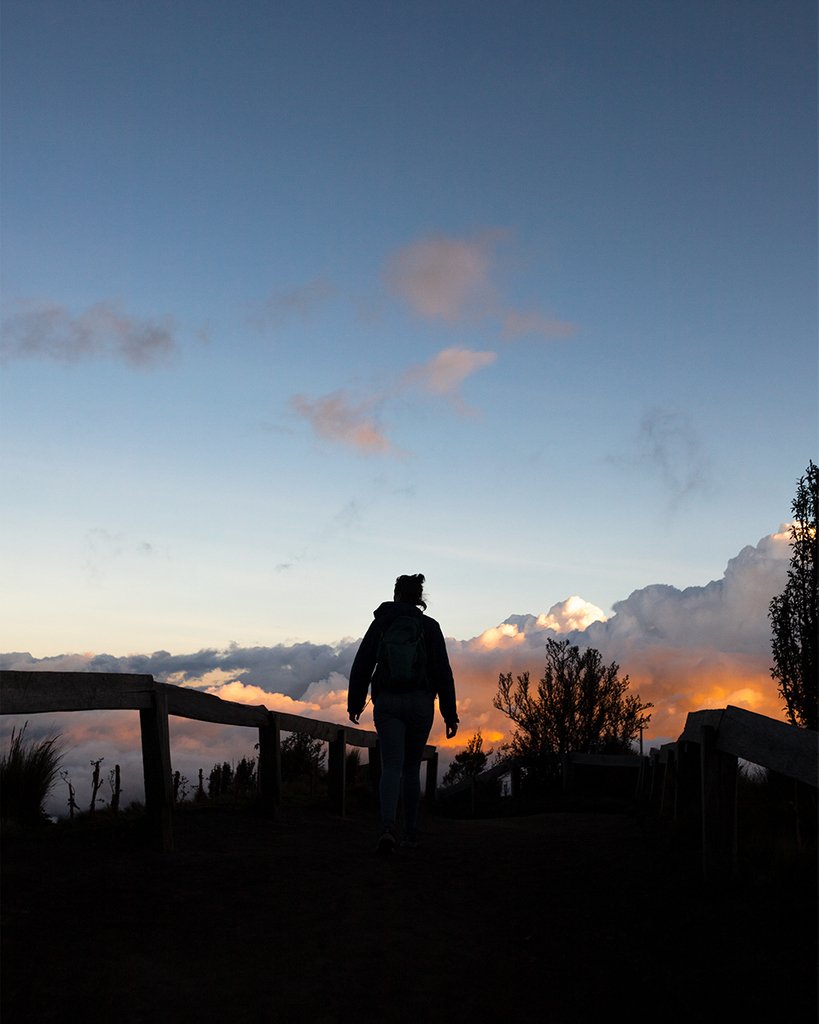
pixel 683 650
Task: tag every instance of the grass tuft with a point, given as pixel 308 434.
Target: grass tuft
pixel 28 771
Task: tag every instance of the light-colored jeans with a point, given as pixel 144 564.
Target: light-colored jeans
pixel 403 722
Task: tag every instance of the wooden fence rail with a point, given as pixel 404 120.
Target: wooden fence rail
pixel 27 693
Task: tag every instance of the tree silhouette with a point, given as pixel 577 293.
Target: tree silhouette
pixel 226 781
pixel 244 779
pixel 302 757
pixel 469 763
pixel 220 780
pixel 580 705
pixel 793 613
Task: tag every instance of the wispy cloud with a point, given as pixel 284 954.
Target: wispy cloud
pixel 338 417
pixel 669 444
pixel 300 301
pixel 105 549
pixel 668 447
pixel 519 324
pixel 51 331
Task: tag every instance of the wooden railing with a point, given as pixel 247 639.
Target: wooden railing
pixel 694 777
pixel 698 773
pixel 26 693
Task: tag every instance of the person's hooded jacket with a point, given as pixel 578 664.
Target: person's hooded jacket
pixel 364 673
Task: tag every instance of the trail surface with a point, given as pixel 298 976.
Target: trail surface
pixel 558 918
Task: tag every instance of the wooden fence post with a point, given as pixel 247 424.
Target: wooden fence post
pixel 688 784
pixel 566 773
pixel 514 780
pixel 156 767
pixel 374 763
pixel 719 807
pixel 669 783
pixel 655 778
pixel 270 765
pixel 431 782
pixel 783 816
pixel 337 769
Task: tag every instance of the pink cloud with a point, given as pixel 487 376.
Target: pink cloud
pixel 336 418
pixel 445 372
pixel 441 278
pixel 451 279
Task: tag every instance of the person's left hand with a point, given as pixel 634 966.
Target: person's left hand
pixel 355 717
pixel 451 729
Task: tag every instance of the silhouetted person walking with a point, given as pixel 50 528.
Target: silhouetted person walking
pixel 403 658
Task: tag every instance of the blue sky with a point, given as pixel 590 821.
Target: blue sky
pixel 301 296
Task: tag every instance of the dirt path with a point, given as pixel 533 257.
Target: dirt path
pixel 559 917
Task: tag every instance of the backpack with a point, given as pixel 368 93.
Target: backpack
pixel 402 655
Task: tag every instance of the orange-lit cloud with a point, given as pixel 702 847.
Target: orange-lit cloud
pixel 683 650
pixel 572 614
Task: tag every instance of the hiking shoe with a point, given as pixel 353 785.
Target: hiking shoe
pixel 386 842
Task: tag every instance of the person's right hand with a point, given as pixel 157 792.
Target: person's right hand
pixel 451 729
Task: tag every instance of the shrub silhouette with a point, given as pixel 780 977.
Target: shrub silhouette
pixel 236 783
pixel 302 761
pixel 579 705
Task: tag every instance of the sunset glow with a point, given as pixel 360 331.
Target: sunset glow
pixel 333 293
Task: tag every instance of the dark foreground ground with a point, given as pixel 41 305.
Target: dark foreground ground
pixel 557 917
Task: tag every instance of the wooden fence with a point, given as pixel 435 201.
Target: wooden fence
pixel 26 693
pixel 694 777
pixel 698 773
